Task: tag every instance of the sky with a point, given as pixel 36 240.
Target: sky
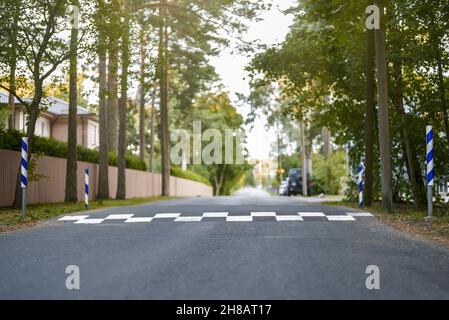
pixel 271 30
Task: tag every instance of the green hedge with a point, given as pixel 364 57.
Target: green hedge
pixel 189 175
pixel 11 140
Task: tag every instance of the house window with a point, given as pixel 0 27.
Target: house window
pixel 21 121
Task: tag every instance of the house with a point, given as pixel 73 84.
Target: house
pixel 53 122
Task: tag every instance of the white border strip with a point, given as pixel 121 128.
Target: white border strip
pixel 89 221
pixel 215 214
pixel 359 214
pixel 139 219
pixel 188 219
pixel 311 214
pixel 340 218
pixel 263 214
pixel 238 218
pixel 166 215
pixel 72 218
pixel 289 218
pixel 118 216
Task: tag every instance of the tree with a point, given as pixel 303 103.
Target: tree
pixel 42 50
pixel 71 190
pixel 215 111
pixel 113 33
pixel 384 119
pixel 370 113
pixel 103 163
pixel 163 85
pixel 142 91
pixel 121 179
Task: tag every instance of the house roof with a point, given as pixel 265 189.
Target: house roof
pixel 4 98
pixel 59 107
pixel 54 105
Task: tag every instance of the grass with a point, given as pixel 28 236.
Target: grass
pixel 410 220
pixel 12 218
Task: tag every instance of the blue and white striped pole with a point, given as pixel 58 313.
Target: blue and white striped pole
pixel 360 184
pixel 430 169
pixel 86 188
pixel 24 173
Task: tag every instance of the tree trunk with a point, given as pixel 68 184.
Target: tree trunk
pixel 442 89
pixel 71 176
pixel 121 179
pixel 112 101
pixel 153 111
pixel 369 118
pixel 304 158
pixel 142 142
pixel 417 189
pixel 13 67
pixel 103 162
pixel 326 142
pixel 384 125
pixel 165 161
pixel 34 111
pixel 219 180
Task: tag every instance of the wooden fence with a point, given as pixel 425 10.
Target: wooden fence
pixel 50 186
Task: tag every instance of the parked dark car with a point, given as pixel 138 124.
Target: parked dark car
pixel 294 185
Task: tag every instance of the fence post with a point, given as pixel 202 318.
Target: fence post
pixel 24 174
pixel 430 170
pixel 86 188
pixel 360 184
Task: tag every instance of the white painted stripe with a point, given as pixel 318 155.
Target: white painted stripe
pixel 72 218
pixel 90 221
pixel 215 214
pixel 263 214
pixel 359 214
pixel 188 219
pixel 166 215
pixel 289 218
pixel 311 214
pixel 139 219
pixel 239 218
pixel 340 218
pixel 118 216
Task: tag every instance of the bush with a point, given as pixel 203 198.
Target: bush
pixel 189 175
pixel 11 140
pixel 328 174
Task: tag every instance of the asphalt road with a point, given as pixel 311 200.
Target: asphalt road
pixel 249 246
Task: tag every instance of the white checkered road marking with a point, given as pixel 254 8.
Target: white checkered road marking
pixel 215 214
pixel 359 214
pixel 138 219
pixel 238 218
pixel 188 219
pixel 289 218
pixel 220 216
pixel 118 216
pixel 311 214
pixel 340 218
pixel 73 218
pixel 90 221
pixel 166 215
pixel 263 214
